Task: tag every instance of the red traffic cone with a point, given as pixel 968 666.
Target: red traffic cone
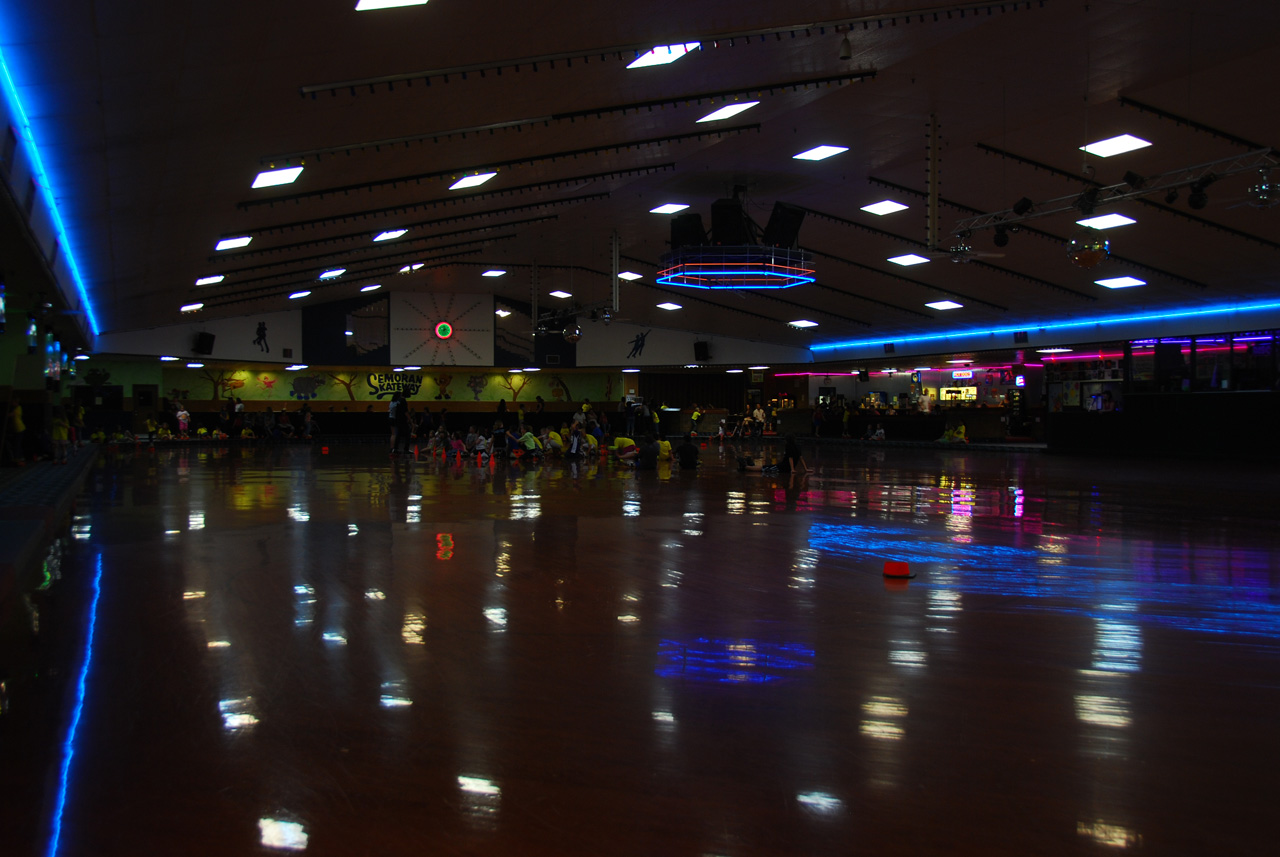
pixel 897 569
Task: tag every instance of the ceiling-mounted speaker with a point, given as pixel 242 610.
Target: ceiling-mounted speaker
pixel 687 231
pixel 730 225
pixel 864 375
pixel 203 343
pixel 1019 337
pixel 783 228
pixel 701 352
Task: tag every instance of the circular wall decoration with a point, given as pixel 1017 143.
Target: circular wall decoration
pixel 444 330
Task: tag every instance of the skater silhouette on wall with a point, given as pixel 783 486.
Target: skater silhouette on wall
pixel 637 344
pixel 261 341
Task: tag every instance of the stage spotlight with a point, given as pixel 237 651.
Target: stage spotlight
pixel 1001 238
pixel 1134 180
pixel 1197 198
pixel 1087 201
pixel 846 48
pixel 1171 197
pixel 1022 206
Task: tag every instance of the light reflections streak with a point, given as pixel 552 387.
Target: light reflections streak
pixel 282 835
pixel 821 803
pixel 1111 835
pixel 415 625
pixel 237 714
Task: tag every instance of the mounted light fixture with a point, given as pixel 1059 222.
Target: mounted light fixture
pixel 1087 201
pixel 1022 206
pixel 846 48
pixel 1197 198
pixel 1001 237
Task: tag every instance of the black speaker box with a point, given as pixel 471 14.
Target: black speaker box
pixel 701 352
pixel 864 375
pixel 783 228
pixel 203 343
pixel 687 231
pixel 729 223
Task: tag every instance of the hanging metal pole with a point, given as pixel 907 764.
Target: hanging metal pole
pixel 616 246
pixel 931 185
pixel 533 297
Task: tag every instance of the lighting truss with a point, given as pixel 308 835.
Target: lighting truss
pixel 1112 194
pixel 746 267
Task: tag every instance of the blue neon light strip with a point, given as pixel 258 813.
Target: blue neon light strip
pixel 42 181
pixel 1224 309
pixel 68 750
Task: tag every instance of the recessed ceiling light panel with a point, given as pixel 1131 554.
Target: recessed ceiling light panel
pixel 494 272
pixel 209 281
pixel 271 178
pixel 908 260
pixel 471 181
pixel 330 274
pixel 1121 282
pixel 663 54
pixel 1115 146
pixel 502 313
pixel 669 208
pixel 820 153
pixel 560 294
pixel 669 306
pixel 389 235
pixel 630 275
pixel 883 207
pixel 372 287
pixel 728 111
pixel 233 243
pixel 298 295
pixel 371 5
pixel 191 308
pixel 944 305
pixel 803 322
pixel 1052 350
pixel 1106 221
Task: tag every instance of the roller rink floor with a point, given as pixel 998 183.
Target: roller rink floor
pixel 282 651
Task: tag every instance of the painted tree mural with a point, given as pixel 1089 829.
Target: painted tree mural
pixel 222 383
pixel 347 381
pixel 515 382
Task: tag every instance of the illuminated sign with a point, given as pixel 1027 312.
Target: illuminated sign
pixel 961 374
pixel 444 330
pixel 1019 380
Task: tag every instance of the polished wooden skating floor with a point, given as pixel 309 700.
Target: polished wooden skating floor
pixel 337 653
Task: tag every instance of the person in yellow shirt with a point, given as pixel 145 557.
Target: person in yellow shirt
pixel 60 434
pixel 13 434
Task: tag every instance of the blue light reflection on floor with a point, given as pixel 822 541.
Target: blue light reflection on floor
pixel 1141 582
pixel 732 661
pixel 68 749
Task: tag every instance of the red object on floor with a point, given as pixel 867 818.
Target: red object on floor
pixel 896 568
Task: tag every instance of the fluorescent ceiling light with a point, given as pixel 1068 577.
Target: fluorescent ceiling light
pixel 757 367
pixel 296 295
pixel 663 54
pixel 692 366
pixel 630 370
pixel 168 359
pixel 944 305
pixel 728 110
pixel 669 306
pixel 195 365
pixel 271 178
pixel 82 357
pixel 630 275
pixel 532 369
pixel 559 294
pixel 192 307
pixel 502 313
pixel 819 153
pixel 372 287
pixel 413 267
pixel 372 5
pixel 412 368
pixel 514 371
pixel 803 322
pixel 963 360
pixel 908 260
pixel 1121 282
pixel 297 367
pixel 1052 350
pixel 670 207
pixel 471 181
pixel 389 234
pixel 494 272
pixel 233 243
pixel 209 281
pixel 1106 221
pixel 330 274
pixel 348 333
pixel 733 371
pixel 883 207
pixel 1115 145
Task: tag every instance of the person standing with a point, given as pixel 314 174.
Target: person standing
pixel 14 432
pixel 394 410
